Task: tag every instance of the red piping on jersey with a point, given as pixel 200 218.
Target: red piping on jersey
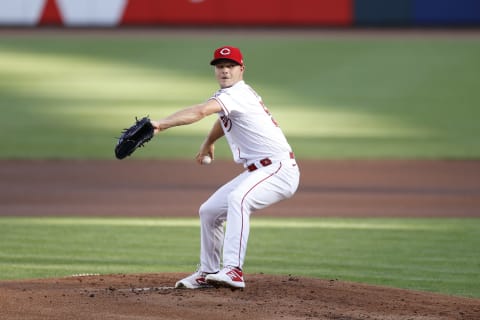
pixel 241 208
pixel 224 108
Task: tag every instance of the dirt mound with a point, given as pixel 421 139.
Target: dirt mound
pixel 328 188
pixel 151 296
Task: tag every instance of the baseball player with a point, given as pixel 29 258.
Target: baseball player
pixel 257 142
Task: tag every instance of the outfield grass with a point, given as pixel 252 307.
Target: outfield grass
pixel 335 98
pixel 439 255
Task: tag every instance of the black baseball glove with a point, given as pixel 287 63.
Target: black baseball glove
pixel 134 137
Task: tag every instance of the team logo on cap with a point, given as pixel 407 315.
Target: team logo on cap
pixel 225 51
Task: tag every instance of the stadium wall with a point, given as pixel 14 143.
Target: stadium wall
pixel 336 13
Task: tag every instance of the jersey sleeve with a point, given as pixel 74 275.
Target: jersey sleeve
pixel 226 101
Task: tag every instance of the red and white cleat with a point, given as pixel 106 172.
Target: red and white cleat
pixel 194 281
pixel 228 277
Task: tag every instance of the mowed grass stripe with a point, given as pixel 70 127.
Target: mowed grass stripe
pixel 440 255
pixel 333 98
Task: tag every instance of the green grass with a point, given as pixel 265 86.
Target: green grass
pixel 439 255
pixel 335 98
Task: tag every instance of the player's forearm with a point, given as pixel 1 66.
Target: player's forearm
pixel 215 133
pixel 208 146
pixel 182 117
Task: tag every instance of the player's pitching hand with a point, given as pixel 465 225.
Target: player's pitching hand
pixel 206 153
pixel 203 158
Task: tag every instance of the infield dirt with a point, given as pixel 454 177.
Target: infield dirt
pixel 266 297
pixel 176 188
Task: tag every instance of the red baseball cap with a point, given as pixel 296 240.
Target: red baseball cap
pixel 229 53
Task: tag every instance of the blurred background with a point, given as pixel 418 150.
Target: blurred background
pixel 248 12
pixel 344 78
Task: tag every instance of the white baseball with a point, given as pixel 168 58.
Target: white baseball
pixel 206 160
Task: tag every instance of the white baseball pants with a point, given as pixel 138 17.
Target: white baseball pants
pixel 233 203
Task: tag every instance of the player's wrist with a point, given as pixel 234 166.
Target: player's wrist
pixel 160 125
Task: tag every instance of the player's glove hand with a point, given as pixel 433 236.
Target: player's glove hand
pixel 134 137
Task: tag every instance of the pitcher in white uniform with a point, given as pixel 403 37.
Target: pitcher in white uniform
pixel 271 172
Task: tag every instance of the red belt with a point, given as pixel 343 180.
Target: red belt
pixel 265 163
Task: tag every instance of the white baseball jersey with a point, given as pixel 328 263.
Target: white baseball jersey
pixel 249 128
pixel 253 136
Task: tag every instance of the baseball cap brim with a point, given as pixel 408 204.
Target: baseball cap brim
pixel 215 61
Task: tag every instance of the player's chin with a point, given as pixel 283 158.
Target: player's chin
pixel 225 83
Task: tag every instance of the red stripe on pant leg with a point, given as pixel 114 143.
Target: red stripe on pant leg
pixel 241 210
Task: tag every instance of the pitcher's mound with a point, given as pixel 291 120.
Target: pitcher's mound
pixel 151 296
